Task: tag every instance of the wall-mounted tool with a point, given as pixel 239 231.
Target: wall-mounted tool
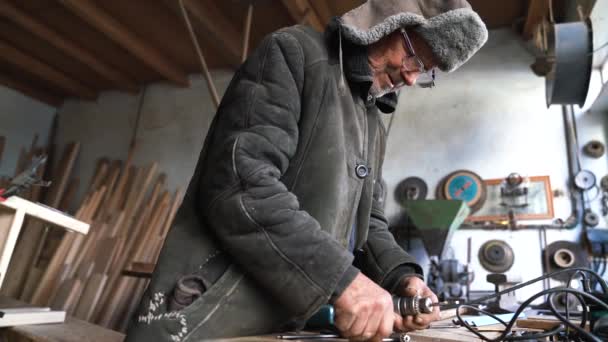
pixel 463 185
pixel 569 49
pixel 594 149
pixel 496 256
pixel 584 180
pixel 514 191
pixel 411 188
pixel 564 254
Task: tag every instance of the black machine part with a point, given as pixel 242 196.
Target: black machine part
pixel 604 183
pixel 496 256
pixel 594 148
pixel 411 188
pixel 410 306
pixel 591 219
pixel 562 255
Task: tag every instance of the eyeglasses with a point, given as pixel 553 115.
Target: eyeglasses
pixel 426 78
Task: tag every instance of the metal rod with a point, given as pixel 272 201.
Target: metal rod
pixel 212 91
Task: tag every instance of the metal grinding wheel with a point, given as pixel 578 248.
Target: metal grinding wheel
pixel 564 254
pixel 463 185
pixel 411 188
pixel 594 149
pixel 567 81
pixel 591 219
pixel 584 180
pixel 496 256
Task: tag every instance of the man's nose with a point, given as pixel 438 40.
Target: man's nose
pixel 409 77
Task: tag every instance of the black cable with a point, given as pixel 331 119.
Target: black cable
pixel 580 329
pixel 585 287
pixel 545 276
pixel 521 308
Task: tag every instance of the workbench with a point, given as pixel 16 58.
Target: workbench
pixel 72 330
pixel 429 335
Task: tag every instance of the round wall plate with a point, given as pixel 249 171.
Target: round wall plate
pixel 463 185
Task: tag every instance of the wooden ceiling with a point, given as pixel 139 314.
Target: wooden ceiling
pixel 55 49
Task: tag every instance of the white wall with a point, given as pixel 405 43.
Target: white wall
pixel 21 118
pixel 172 127
pixel 490 117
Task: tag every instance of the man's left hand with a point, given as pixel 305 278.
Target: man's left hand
pixel 411 286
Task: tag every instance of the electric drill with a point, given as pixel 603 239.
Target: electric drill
pixel 405 306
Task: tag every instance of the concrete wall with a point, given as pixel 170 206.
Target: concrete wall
pixel 21 118
pixel 171 130
pixel 489 117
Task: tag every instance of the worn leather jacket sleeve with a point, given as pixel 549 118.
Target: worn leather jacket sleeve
pixel 256 218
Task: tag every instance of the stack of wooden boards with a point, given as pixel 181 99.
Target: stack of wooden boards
pixel 130 211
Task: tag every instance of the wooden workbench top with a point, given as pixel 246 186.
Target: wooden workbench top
pixel 72 330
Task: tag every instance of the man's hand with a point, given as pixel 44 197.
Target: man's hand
pixel 364 311
pixel 411 286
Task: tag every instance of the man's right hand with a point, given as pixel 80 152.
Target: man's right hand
pixel 364 311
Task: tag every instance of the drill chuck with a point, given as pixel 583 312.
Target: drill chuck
pixel 411 306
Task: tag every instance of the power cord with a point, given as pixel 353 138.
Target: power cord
pixel 506 335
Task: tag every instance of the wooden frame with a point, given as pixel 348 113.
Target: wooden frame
pixel 540 183
pixel 12 214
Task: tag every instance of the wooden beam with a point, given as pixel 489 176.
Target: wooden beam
pixel 211 19
pixel 322 9
pixel 119 33
pixel 302 13
pixel 32 65
pixel 536 11
pixel 30 91
pixel 52 37
pixel 246 33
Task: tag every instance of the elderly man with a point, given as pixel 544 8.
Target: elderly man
pixel 284 212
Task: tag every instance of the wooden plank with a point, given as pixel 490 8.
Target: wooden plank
pixel 62 174
pixel 49 279
pixel 10 240
pixel 33 277
pixel 31 91
pixel 139 269
pixel 36 67
pixel 67 297
pixel 51 36
pixel 119 33
pixel 90 297
pixel 537 9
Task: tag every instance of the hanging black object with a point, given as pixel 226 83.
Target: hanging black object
pixel 570 45
pixel 411 188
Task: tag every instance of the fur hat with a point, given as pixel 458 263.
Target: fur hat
pixel 450 27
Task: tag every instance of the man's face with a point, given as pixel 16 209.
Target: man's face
pixel 393 66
